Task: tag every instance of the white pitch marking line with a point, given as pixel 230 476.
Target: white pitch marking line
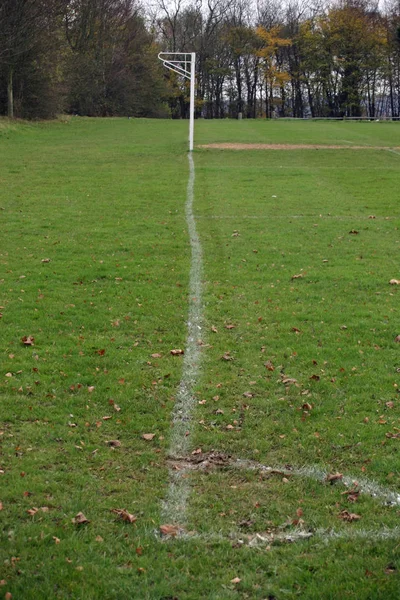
pixel 366 486
pixel 174 506
pixel 259 540
pixel 393 151
pixel 315 216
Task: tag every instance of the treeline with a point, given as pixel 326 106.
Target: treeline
pixel 306 58
pixel 86 57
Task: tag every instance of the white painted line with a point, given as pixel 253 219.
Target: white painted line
pixel 365 486
pixel 315 216
pixel 259 540
pixel 393 151
pixel 174 506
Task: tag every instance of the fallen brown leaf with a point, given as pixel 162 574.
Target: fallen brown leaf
pixel 394 282
pixel 390 569
pixel 230 326
pixel 32 511
pixel 124 515
pixel 56 539
pixel 28 340
pixel 268 365
pixel 148 436
pixel 177 352
pixel 227 356
pixel 214 329
pixel 171 530
pixel 113 443
pixel 236 580
pixel 80 519
pixel 349 517
pixel 332 477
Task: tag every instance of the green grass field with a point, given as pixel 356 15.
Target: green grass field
pixel 299 366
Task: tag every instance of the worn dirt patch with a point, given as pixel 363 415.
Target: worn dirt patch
pixel 231 146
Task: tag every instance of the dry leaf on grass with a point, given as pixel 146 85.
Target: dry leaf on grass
pixel 349 517
pixel 80 519
pixel 171 530
pixel 394 282
pixel 124 515
pixel 227 356
pixel 236 580
pixel 113 443
pixel 28 340
pixel 56 539
pixel 332 477
pixel 156 355
pixel 32 511
pixel 148 436
pixel 177 352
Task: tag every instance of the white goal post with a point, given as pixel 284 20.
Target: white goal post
pixel 183 63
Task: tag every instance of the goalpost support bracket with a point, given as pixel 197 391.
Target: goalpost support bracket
pixel 183 63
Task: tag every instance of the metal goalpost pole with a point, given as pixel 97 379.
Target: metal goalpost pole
pixel 178 62
pixel 192 84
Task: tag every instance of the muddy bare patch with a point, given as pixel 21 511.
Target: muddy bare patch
pixel 237 146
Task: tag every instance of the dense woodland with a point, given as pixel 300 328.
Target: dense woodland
pixel 304 58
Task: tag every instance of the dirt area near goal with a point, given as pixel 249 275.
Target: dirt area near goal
pixel 231 146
